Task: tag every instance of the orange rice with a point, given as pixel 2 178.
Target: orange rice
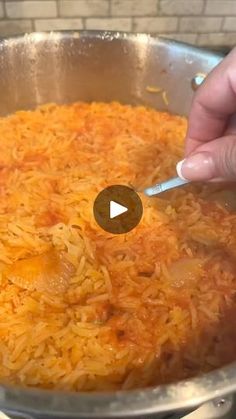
pixel 81 309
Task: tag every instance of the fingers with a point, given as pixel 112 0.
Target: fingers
pixel 211 160
pixel 211 135
pixel 231 127
pixel 213 105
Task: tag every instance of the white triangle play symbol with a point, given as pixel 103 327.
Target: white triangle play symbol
pixel 116 209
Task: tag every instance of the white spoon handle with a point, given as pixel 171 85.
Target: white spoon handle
pixel 165 186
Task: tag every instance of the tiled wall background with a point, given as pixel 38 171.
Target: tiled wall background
pixel 202 22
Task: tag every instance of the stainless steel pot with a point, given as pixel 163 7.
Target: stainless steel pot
pixel 104 66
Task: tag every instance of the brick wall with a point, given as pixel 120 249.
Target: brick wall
pixel 202 22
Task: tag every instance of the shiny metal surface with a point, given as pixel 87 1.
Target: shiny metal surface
pixel 66 67
pixel 175 182
pixel 105 66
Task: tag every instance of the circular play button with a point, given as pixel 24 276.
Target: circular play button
pixel 118 209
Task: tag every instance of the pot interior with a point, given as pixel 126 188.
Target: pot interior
pixel 99 66
pixel 103 66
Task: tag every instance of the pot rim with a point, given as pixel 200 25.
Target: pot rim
pixel 183 394
pixel 108 35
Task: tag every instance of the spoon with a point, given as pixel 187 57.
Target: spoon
pixel 165 186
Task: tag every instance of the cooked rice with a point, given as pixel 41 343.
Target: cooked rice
pixel 81 309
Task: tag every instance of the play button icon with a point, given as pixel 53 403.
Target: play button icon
pixel 118 209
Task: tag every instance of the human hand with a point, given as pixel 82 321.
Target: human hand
pixel 211 136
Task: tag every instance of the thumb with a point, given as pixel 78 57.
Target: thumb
pixel 215 159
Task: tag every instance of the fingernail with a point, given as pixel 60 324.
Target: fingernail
pixel 179 169
pixel 199 166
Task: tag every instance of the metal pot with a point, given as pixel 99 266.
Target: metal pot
pixel 104 66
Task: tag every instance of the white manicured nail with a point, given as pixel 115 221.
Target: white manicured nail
pixel 179 169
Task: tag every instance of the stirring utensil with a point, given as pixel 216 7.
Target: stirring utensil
pixel 165 186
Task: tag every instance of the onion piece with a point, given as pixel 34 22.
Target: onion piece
pixel 185 271
pixel 49 272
